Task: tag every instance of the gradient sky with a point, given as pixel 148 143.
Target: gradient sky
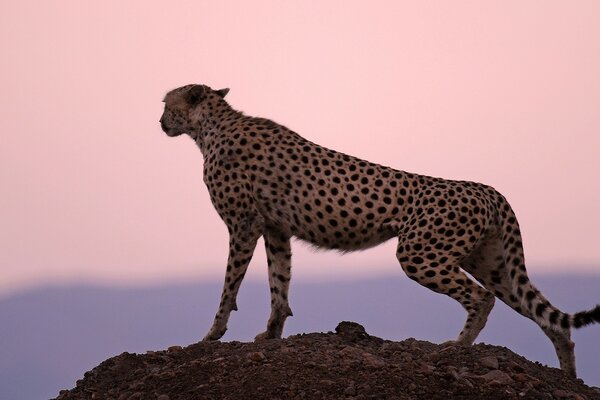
pixel 501 92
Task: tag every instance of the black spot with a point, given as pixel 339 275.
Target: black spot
pixel 539 310
pixel 530 295
pixel 564 322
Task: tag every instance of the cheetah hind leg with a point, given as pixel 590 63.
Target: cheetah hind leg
pixel 449 279
pixel 488 266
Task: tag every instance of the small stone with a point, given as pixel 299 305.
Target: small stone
pixel 497 377
pixel 426 369
pixel 521 377
pixel 412 387
pixel 257 356
pixel 490 362
pixel 453 373
pixel 350 390
pixel 350 352
pixel 561 394
pixel 373 361
pixel 515 367
pixel 174 349
pixel 434 357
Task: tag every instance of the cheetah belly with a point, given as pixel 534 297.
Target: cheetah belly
pixel 325 227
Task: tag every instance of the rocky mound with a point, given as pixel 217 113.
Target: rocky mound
pixel 348 364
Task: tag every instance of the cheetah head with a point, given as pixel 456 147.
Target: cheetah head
pixel 186 106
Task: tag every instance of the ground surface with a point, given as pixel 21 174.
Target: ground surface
pixel 347 364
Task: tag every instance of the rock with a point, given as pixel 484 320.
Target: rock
pixel 348 365
pixel 490 362
pixel 257 356
pixel 497 377
pixel 351 330
pixel 174 349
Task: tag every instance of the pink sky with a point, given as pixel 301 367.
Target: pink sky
pixel 501 92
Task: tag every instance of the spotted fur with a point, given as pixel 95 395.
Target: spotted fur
pixel 265 180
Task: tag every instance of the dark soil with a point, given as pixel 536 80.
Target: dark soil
pixel 348 364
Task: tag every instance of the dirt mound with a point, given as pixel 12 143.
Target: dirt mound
pixel 348 364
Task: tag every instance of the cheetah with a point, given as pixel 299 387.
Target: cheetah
pixel 457 238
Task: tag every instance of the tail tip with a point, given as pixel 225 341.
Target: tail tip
pixel 596 313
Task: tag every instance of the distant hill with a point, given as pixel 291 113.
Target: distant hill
pixel 50 337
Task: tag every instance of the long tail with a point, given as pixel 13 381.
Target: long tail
pixel 532 302
pixel 584 318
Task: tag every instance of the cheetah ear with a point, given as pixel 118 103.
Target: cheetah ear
pixel 195 95
pixel 222 92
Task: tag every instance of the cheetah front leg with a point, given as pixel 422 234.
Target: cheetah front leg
pixel 242 243
pixel 279 265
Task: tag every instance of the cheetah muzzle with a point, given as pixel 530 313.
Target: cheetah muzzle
pixel 265 180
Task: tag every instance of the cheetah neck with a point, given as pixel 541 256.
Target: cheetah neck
pixel 209 123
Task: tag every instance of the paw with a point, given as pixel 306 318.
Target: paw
pixel 266 335
pixel 447 345
pixel 214 334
